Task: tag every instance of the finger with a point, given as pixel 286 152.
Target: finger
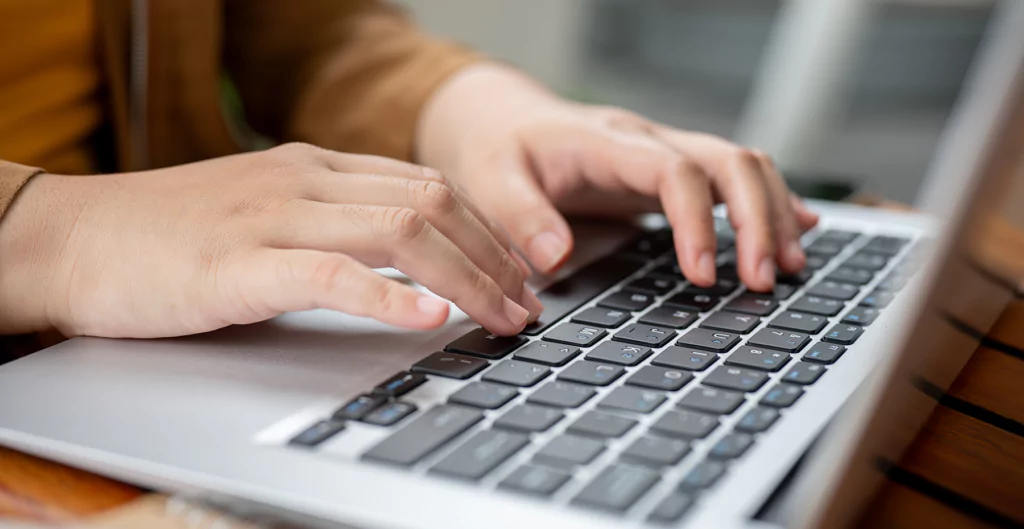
pixel 788 252
pixel 806 218
pixel 686 197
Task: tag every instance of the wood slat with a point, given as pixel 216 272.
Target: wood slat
pixel 992 380
pixel 900 507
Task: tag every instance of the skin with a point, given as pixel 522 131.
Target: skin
pixel 241 239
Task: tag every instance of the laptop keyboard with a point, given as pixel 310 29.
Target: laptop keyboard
pixel 651 370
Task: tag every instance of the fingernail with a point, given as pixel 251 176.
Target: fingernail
pixel 524 267
pixel 706 266
pixel 547 250
pixel 766 272
pixel 795 255
pixel 532 304
pixel 516 315
pixel 431 306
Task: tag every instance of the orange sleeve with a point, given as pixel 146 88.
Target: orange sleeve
pixel 12 178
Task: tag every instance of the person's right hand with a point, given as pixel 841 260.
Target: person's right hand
pixel 244 238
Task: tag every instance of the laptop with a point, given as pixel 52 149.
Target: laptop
pixel 638 400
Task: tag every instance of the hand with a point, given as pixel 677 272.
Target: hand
pixel 244 238
pixel 524 155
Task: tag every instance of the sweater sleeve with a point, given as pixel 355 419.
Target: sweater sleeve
pixel 12 178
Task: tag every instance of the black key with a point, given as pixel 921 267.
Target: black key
pixel 861 316
pixel 804 373
pixel 709 340
pixel 731 322
pixel 731 446
pixel 782 395
pixel 817 305
pixel 843 333
pixel 535 480
pixel 602 317
pixel 318 433
pixel 617 487
pixel 893 282
pixel 575 334
pixel 656 285
pixel 883 245
pixel 878 299
pixel 671 508
pixel 854 276
pixel 798 321
pixel 711 400
pixel 659 378
pixel 400 384
pixel 569 294
pixel 625 299
pixel 390 413
pixel 750 303
pixel 780 339
pixel 561 395
pixel 705 474
pixel 669 317
pixel 592 373
pixel 597 424
pixel 358 407
pixel 839 236
pixel 479 342
pixel 424 435
pixel 736 378
pixel 685 424
pixel 765 359
pixel 698 302
pixel 867 261
pixel 758 420
pixel 646 246
pixel 657 451
pixel 727 268
pixel 568 450
pixel 825 353
pixel 450 365
pixel 529 418
pixel 824 248
pixel 644 334
pixel 480 454
pixel 783 291
pixel 834 290
pixel 484 395
pixel 517 373
pixel 670 269
pixel 797 279
pixel 632 399
pixel 816 262
pixel 723 287
pixel 547 353
pixel 684 358
pixel 619 353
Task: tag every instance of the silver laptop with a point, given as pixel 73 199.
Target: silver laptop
pixel 638 400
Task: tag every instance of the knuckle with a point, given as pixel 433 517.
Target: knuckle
pixel 509 270
pixel 402 223
pixel 481 283
pixel 384 297
pixel 748 157
pixel 435 197
pixel 295 148
pixel 327 274
pixel 432 175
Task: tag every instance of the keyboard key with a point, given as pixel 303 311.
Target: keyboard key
pixel 705 474
pixel 672 508
pixel 685 424
pixel 561 395
pixel 480 454
pixel 619 353
pixel 646 246
pixel 867 261
pixel 643 334
pixel 483 395
pixel 479 342
pixel 390 413
pixel 547 353
pixel 804 373
pixel 758 420
pixel 593 373
pixel 529 418
pixel 569 450
pixel 731 446
pixel 783 291
pixel 737 378
pixel 698 302
pixel 359 407
pixel 779 339
pixel 670 269
pixel 658 286
pixel 817 305
pixel 318 433
pixel 632 399
pixel 782 395
pixel 597 424
pixel 659 378
pixel 843 333
pixel 883 245
pixel 723 287
pixel 617 487
pixel 684 358
pixel 797 279
pixel 861 316
pixel 824 248
pixel 575 334
pixel 834 290
pixel 839 236
pixel 400 384
pixel 816 262
pixel 517 373
pixel 631 300
pixel 893 282
pixel 750 303
pixel 709 340
pixel 731 322
pixel 854 276
pixel 539 481
pixel 764 359
pixel 878 299
pixel 602 317
pixel 656 451
pixel 798 321
pixel 572 292
pixel 424 435
pixel 711 400
pixel 450 365
pixel 669 317
pixel 825 353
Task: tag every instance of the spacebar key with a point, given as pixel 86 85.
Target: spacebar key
pixel 570 293
pixel 424 435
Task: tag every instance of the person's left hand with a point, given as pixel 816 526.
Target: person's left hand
pixel 524 155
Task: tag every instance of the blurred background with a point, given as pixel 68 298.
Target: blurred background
pixel 837 90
